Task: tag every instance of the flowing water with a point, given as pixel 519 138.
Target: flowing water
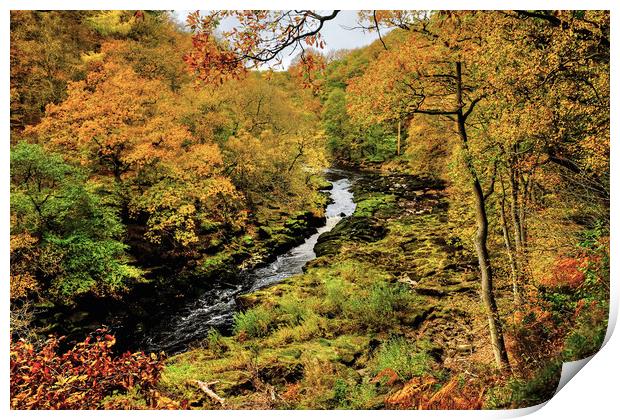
pixel 216 307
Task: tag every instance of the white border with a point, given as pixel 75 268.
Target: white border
pixel 592 395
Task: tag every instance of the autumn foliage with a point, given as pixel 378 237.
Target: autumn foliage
pixel 422 393
pixel 566 272
pixel 132 163
pixel 83 377
pixel 146 157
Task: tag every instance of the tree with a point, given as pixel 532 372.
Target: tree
pixel 63 235
pixel 122 126
pixel 45 56
pixel 264 35
pixel 530 92
pixel 426 76
pixel 268 134
pixel 550 103
pixel 336 122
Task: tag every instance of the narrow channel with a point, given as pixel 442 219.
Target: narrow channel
pixel 216 307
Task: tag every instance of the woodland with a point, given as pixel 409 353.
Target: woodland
pixel 155 162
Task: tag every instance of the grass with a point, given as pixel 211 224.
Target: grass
pixel 377 308
pixel 334 321
pixel 311 327
pixel 335 295
pixel 537 389
pixel 292 311
pixel 402 357
pixel 253 323
pixel 355 396
pixel 323 320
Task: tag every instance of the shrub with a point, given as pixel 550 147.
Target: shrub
pixel 355 396
pixel 426 393
pixel 63 231
pixel 377 308
pixel 534 334
pixel 313 326
pixel 537 388
pixel 401 357
pixel 589 331
pixel 566 273
pixel 293 311
pixel 335 295
pixel 317 384
pixel 81 378
pixel 252 323
pixel 215 341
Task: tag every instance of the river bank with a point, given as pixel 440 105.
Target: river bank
pixel 172 286
pixel 391 296
pixel 215 307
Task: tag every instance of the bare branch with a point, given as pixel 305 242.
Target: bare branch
pixel 374 17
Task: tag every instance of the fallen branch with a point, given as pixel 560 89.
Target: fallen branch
pixel 407 280
pixel 204 387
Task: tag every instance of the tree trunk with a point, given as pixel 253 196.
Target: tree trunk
pixel 398 140
pixel 522 215
pixel 514 270
pixel 518 193
pixel 480 240
pixel 514 209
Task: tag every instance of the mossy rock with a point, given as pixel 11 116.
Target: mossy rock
pixel 369 205
pixel 44 304
pixel 348 355
pixel 415 317
pixel 324 185
pixel 264 232
pixel 282 371
pixel 430 290
pixel 245 302
pixel 295 224
pixel 357 229
pixel 233 383
pixel 212 265
pixel 215 244
pixel 247 240
pixel 317 262
pixel 267 296
pixel 78 316
pixel 294 353
pixel 399 184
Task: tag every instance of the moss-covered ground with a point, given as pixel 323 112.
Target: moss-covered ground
pixel 368 318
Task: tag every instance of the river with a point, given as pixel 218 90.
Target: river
pixel 216 307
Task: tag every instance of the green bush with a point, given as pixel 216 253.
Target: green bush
pixel 293 312
pixel 335 294
pixel 377 308
pixel 215 341
pixel 588 335
pixel 402 357
pixel 79 233
pixel 254 322
pixel 361 396
pixel 537 389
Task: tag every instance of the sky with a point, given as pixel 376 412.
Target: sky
pixel 334 32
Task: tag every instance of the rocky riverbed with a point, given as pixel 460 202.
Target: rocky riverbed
pixel 390 276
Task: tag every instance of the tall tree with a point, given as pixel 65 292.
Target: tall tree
pixel 426 76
